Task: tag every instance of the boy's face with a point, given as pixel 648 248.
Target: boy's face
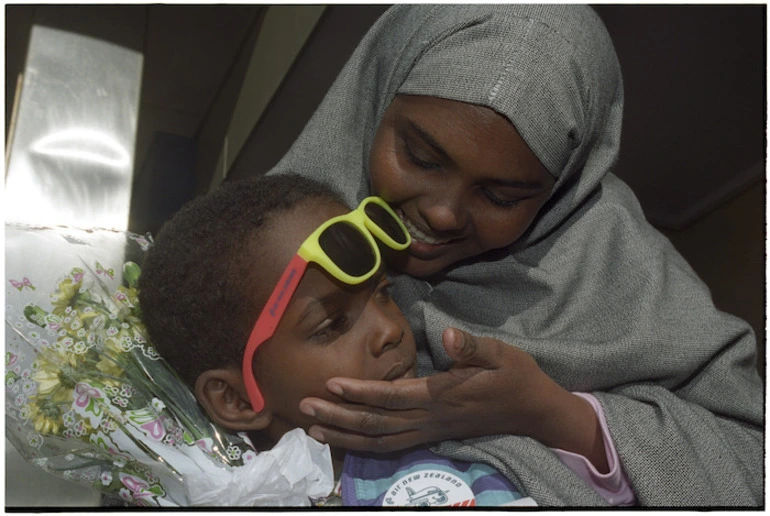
pixel 329 328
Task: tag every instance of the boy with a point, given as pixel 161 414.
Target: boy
pixel 221 264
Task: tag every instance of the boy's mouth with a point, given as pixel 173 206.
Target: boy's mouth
pixel 400 370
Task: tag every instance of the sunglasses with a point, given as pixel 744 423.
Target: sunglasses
pixel 345 247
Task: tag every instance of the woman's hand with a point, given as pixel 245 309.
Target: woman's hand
pixel 493 388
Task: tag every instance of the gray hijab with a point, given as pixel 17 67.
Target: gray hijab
pixel 600 299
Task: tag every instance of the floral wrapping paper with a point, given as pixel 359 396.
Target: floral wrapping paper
pixel 87 396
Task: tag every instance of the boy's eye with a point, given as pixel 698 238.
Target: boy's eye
pixel 382 292
pixel 331 328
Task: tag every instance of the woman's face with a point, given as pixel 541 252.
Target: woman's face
pixel 459 175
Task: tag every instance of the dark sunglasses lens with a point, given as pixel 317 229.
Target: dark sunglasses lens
pixel 348 248
pixel 386 222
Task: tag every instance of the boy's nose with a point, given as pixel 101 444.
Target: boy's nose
pixel 386 331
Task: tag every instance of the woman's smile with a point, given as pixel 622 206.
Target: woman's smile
pixel 421 239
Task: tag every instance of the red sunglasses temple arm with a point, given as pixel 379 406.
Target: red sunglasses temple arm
pixel 267 322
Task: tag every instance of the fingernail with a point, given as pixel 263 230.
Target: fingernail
pixel 335 388
pixel 306 409
pixel 316 434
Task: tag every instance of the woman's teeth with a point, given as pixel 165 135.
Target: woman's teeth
pixel 419 235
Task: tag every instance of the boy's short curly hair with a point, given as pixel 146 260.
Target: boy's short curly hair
pixel 194 290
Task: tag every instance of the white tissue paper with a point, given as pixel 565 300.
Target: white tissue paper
pixel 297 469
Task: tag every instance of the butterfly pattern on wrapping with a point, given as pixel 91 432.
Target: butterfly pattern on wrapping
pixel 19 285
pixel 107 272
pixel 143 242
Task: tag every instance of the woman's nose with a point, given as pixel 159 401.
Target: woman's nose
pixel 386 331
pixel 444 212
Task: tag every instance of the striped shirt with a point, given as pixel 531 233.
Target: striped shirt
pixel 420 478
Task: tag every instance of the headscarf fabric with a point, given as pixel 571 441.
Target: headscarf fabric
pixel 600 299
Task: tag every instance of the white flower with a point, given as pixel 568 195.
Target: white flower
pixel 126 344
pixel 28 387
pixel 125 494
pixel 80 347
pixel 111 390
pixel 36 441
pixel 157 404
pixel 233 452
pixel 249 456
pixel 69 457
pixel 69 418
pixel 106 478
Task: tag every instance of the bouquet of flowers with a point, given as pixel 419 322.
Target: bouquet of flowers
pixel 88 398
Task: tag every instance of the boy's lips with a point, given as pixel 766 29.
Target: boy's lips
pixel 400 370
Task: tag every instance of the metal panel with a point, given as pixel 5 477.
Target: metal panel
pixel 71 161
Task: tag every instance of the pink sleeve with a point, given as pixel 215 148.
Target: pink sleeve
pixel 612 486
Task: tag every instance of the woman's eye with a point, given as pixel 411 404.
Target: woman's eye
pixel 414 156
pixel 498 201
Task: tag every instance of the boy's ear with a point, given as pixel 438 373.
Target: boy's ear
pixel 222 394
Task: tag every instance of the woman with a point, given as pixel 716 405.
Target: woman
pixel 492 130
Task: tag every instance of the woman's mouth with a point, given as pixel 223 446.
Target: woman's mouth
pixel 417 234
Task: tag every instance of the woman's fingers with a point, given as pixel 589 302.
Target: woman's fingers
pixel 366 443
pixel 359 419
pixel 403 394
pixel 468 350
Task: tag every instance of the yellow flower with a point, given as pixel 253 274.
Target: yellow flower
pixel 54 377
pixel 111 368
pixel 47 417
pixel 63 296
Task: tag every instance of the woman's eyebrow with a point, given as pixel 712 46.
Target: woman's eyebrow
pixel 429 140
pixel 518 183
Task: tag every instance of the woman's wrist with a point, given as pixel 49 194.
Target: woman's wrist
pixel 570 423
